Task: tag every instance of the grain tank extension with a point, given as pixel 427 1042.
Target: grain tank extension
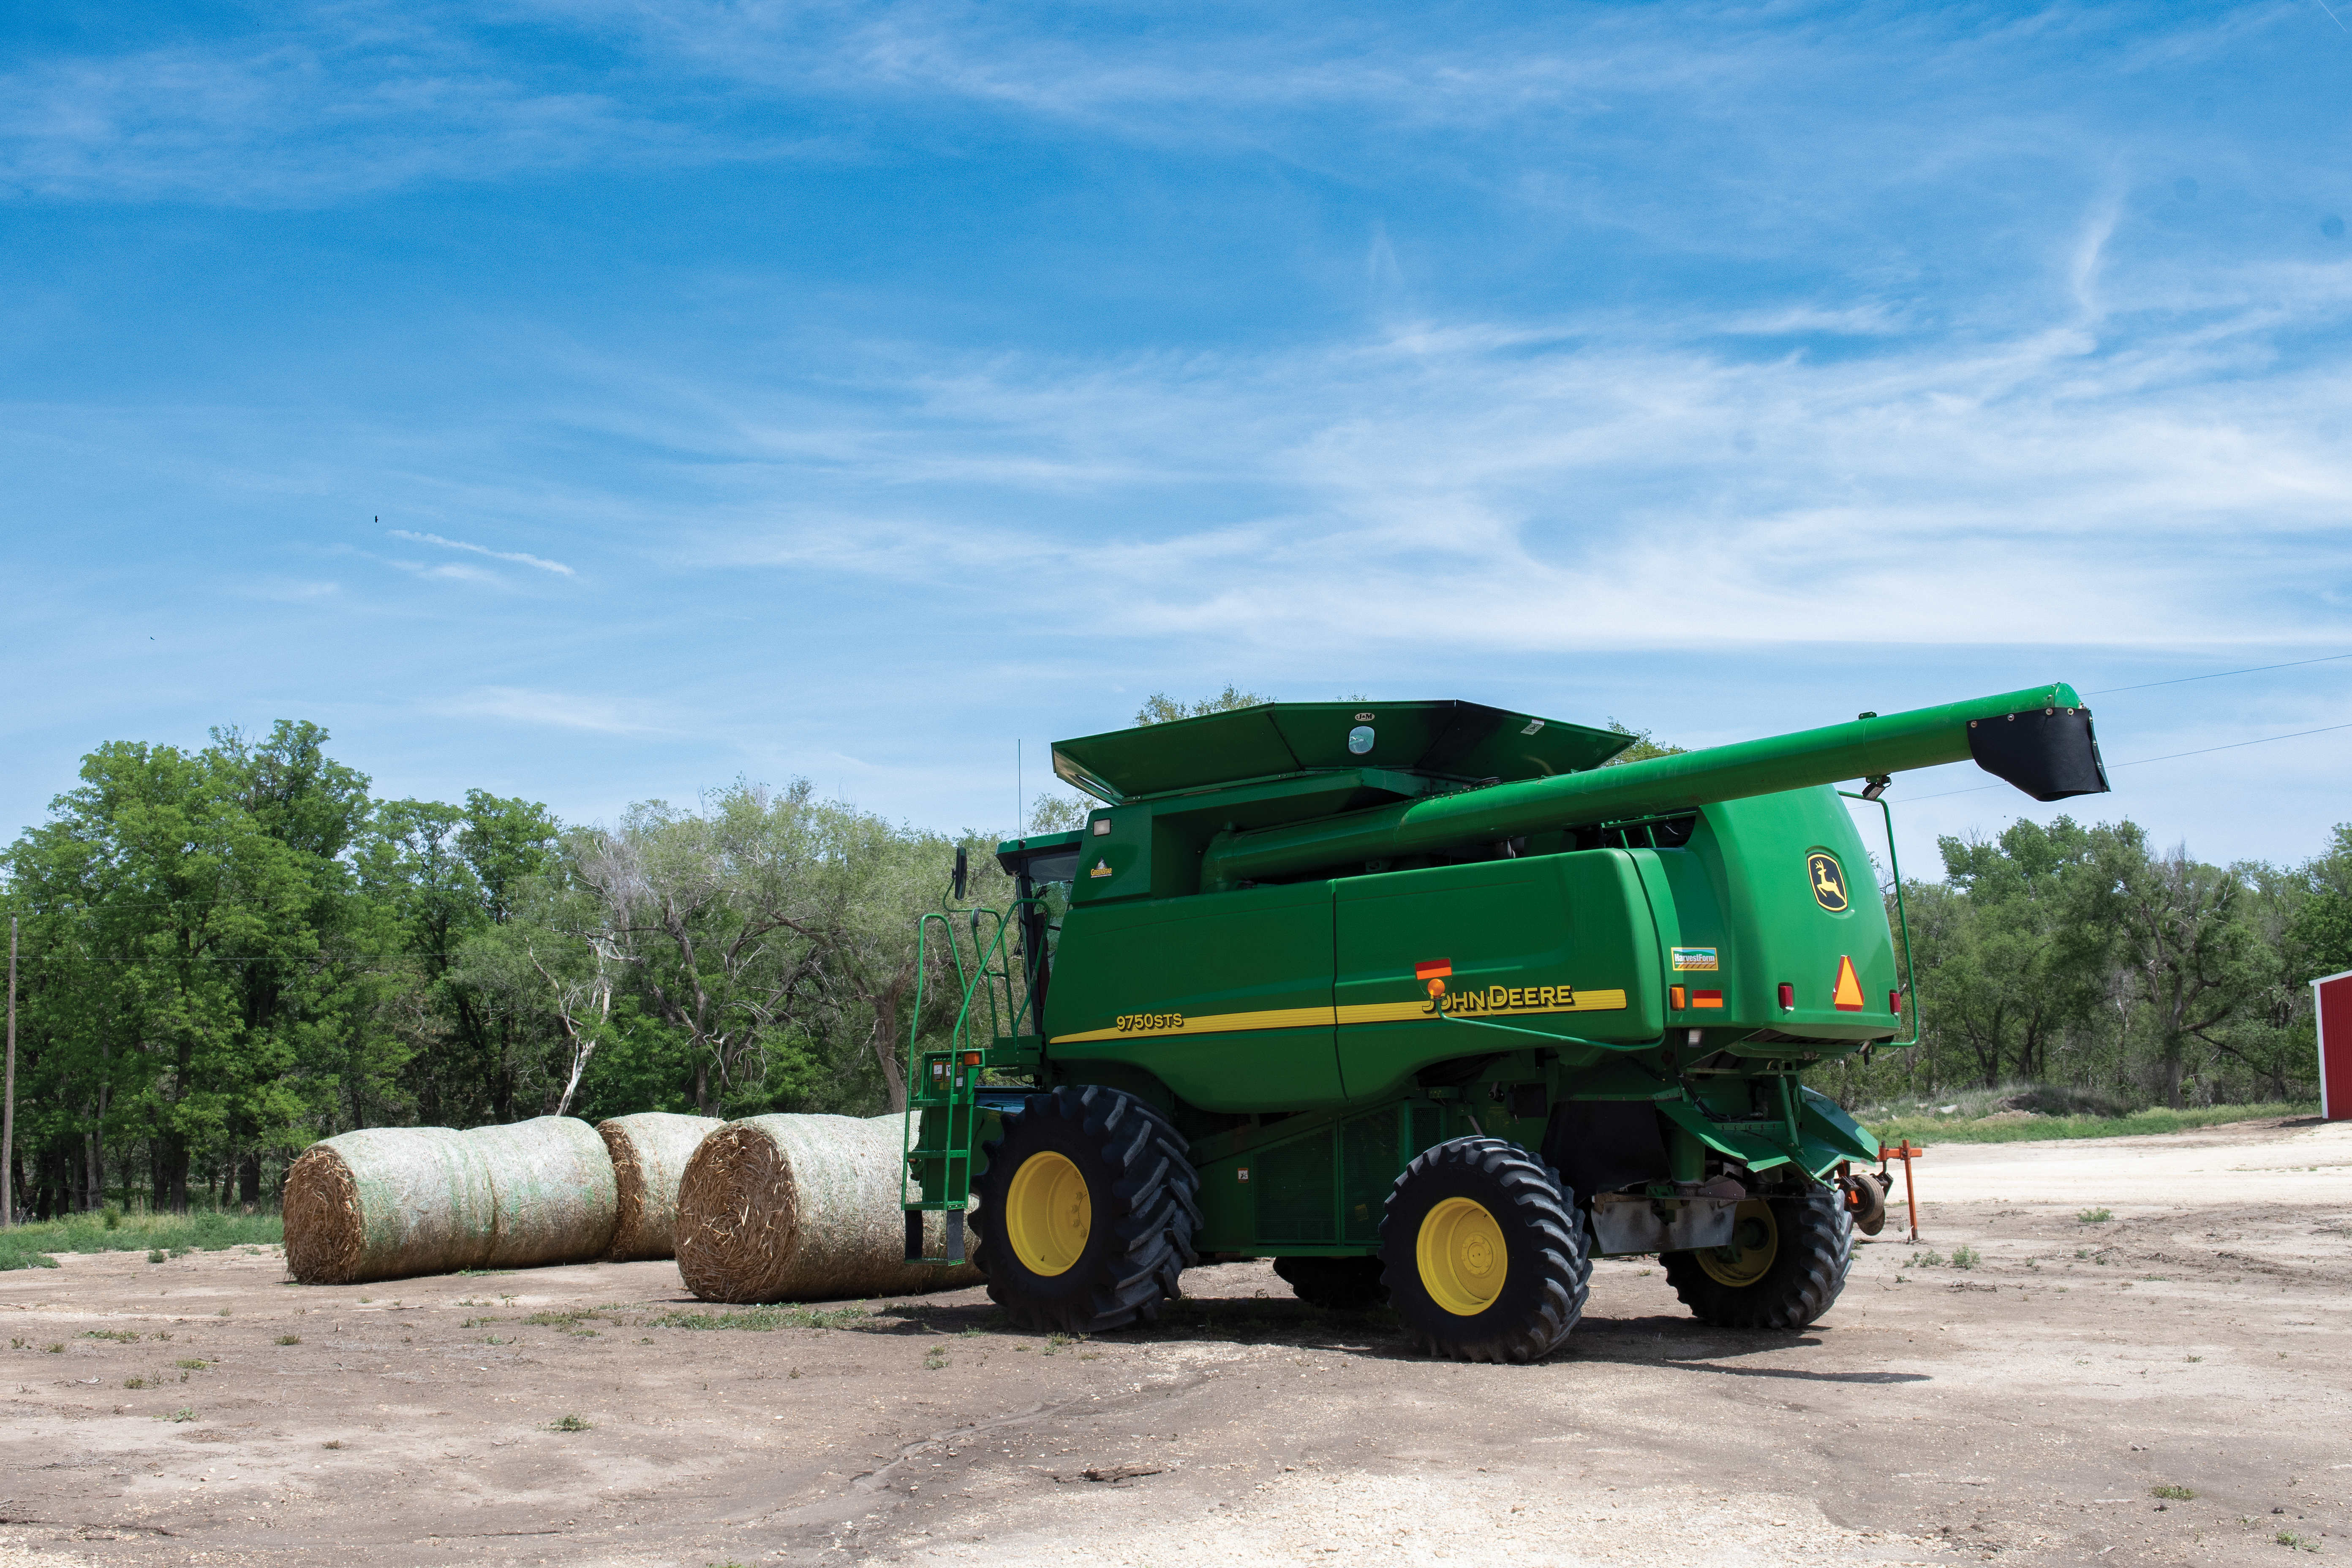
pixel 1428 1004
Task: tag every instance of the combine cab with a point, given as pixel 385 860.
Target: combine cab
pixel 1429 1004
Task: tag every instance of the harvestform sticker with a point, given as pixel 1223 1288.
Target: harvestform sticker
pixel 1102 869
pixel 1694 958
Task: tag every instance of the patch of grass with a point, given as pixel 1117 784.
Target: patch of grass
pixel 2172 1493
pixel 2289 1538
pixel 2009 1127
pixel 289 1339
pixel 332 1443
pixel 935 1359
pixel 60 1349
pixel 571 1423
pixel 193 1365
pixel 762 1319
pixel 1966 1257
pixel 121 1336
pixel 184 1413
pixel 134 1382
pixel 2094 1216
pixel 1929 1260
pixel 1055 1344
pixel 483 1273
pixel 558 1320
pixel 172 1234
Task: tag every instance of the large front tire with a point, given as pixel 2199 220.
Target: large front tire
pixel 1483 1253
pixel 1087 1212
pixel 1785 1265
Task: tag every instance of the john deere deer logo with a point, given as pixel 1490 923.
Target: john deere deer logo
pixel 1829 882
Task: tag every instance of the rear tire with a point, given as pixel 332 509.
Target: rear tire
pixel 1087 1212
pixel 1335 1284
pixel 1483 1253
pixel 1783 1271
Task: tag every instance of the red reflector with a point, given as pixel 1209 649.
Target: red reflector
pixel 1675 998
pixel 1894 1003
pixel 1788 995
pixel 1706 999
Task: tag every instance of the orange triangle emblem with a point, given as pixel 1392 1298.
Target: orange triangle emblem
pixel 1847 997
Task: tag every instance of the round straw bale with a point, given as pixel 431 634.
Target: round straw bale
pixel 649 1153
pixel 556 1197
pixel 386 1202
pixel 392 1201
pixel 802 1208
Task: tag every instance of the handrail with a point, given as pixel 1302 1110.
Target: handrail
pixel 1902 918
pixel 947 1080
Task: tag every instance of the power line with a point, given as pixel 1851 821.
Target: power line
pixel 2257 670
pixel 2234 745
pixel 2169 756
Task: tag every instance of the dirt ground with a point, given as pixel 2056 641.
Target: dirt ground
pixel 204 1410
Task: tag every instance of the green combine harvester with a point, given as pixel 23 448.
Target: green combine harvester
pixel 1428 1004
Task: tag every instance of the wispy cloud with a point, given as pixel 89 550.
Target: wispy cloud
pixel 517 557
pixel 557 709
pixel 2151 477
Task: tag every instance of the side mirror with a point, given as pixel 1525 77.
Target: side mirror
pixel 962 873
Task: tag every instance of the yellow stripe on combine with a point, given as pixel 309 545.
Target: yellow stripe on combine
pixel 1325 1017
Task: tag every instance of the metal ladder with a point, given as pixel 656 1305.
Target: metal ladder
pixel 943 1084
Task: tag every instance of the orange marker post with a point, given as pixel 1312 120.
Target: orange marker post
pixel 1907 1153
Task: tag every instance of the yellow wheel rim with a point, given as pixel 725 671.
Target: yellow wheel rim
pixel 1755 1242
pixel 1048 1214
pixel 1462 1258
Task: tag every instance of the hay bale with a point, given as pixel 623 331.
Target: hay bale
pixel 802 1208
pixel 649 1153
pixel 394 1201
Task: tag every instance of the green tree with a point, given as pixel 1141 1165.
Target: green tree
pixel 2016 964
pixel 199 895
pixel 2319 934
pixel 1644 748
pixel 2183 932
pixel 1161 709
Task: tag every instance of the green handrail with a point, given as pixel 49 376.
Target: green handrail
pixel 1902 918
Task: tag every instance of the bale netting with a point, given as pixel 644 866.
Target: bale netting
pixel 394 1201
pixel 804 1209
pixel 649 1153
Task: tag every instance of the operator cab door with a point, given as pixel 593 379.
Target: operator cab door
pixel 1223 997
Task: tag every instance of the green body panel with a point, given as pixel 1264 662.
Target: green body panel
pixel 1324 938
pixel 1570 928
pixel 1123 972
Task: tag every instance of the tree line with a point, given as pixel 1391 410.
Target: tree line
pixel 231 952
pixel 2084 959
pixel 226 953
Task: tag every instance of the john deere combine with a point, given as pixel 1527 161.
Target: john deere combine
pixel 1428 1004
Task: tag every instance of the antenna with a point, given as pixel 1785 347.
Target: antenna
pixel 1020 795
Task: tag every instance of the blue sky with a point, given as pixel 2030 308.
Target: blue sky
pixel 600 402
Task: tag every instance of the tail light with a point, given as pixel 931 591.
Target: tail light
pixel 1894 1003
pixel 1788 996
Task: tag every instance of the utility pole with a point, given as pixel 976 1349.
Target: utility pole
pixel 9 1115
